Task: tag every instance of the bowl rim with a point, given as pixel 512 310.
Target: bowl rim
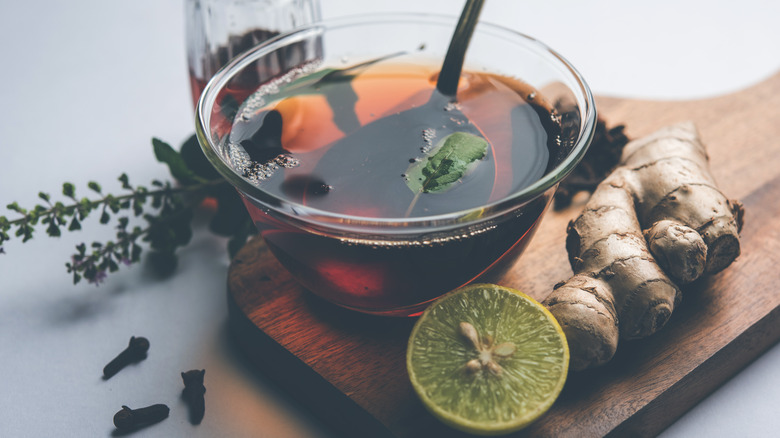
pixel 304 216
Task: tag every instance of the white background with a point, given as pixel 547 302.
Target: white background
pixel 85 84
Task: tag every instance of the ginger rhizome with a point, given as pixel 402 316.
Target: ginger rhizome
pixel 656 222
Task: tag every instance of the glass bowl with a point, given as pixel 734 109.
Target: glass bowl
pixel 390 263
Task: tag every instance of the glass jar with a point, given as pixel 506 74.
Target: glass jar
pixel 218 30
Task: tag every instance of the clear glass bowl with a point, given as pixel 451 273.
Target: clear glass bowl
pixel 397 265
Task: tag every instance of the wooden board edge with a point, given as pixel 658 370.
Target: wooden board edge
pixel 305 385
pixel 673 403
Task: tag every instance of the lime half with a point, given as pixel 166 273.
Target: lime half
pixel 487 359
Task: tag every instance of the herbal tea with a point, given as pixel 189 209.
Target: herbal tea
pixel 377 140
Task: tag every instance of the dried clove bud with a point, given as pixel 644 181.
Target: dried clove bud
pixel 193 394
pixel 129 419
pixel 135 352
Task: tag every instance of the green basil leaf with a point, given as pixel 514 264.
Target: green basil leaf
pixel 176 164
pixel 196 161
pixel 231 212
pixel 450 160
pixel 240 236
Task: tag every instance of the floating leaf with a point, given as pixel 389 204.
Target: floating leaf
pixel 449 161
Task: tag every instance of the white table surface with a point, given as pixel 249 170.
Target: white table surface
pixel 85 85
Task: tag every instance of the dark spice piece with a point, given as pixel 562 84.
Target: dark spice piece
pixel 135 352
pixel 193 394
pixel 600 160
pixel 129 419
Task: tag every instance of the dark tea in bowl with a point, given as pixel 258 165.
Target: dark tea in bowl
pixel 376 191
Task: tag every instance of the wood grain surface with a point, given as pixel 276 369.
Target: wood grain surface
pixel 349 368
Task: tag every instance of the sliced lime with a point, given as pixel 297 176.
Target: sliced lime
pixel 487 359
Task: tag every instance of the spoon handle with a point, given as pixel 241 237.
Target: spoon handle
pixel 449 76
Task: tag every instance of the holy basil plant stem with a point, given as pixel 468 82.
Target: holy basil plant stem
pixel 167 208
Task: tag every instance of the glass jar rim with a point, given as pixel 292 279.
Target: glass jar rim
pixel 323 219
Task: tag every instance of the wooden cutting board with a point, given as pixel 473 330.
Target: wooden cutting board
pixel 349 368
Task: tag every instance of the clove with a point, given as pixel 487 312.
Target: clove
pixel 193 394
pixel 130 419
pixel 135 352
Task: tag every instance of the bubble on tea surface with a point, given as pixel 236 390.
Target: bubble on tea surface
pixel 452 106
pixel 254 171
pixel 238 157
pixel 428 135
pixel 251 106
pixel 458 121
pixel 259 172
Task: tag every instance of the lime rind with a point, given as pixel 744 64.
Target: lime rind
pixel 505 403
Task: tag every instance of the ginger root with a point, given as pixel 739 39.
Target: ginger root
pixel 656 222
